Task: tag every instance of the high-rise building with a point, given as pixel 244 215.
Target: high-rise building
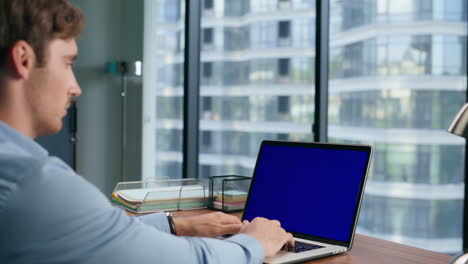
pixel 397 78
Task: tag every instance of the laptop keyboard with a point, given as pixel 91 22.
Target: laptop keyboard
pixel 301 247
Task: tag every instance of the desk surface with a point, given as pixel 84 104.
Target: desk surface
pixel 368 250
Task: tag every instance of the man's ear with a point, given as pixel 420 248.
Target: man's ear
pixel 21 59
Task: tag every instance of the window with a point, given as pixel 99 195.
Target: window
pixel 207 108
pixel 162 92
pixel 394 82
pixel 283 136
pixel 283 67
pixel 283 104
pixel 208 4
pixel 283 4
pixel 208 8
pixel 207 70
pixel 383 67
pixel 208 36
pixel 236 8
pixel 207 104
pixel 170 11
pixel 206 170
pixel 251 101
pixel 284 29
pixel 206 138
pixel 236 38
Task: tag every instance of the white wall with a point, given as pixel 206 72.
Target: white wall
pixel 113 31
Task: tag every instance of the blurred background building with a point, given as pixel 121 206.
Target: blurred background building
pixel 397 77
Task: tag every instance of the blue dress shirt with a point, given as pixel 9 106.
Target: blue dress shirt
pixel 49 214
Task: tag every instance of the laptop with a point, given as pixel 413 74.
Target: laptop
pixel 314 189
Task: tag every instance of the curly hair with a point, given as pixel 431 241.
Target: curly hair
pixel 37 22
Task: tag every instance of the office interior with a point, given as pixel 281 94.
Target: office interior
pixel 393 74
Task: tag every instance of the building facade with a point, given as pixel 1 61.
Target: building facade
pixel 397 78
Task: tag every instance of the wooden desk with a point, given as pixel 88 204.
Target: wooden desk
pixel 368 250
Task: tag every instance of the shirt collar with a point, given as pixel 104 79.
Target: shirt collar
pixel 28 145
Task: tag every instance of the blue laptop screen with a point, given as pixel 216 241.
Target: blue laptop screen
pixel 313 191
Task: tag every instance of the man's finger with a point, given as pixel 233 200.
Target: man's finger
pixel 230 229
pixel 230 219
pixel 289 240
pixel 276 222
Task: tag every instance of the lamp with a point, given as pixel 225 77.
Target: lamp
pixel 459 127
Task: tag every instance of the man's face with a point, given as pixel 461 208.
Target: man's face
pixel 51 88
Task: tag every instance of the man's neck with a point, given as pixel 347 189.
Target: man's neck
pixel 20 127
pixel 13 111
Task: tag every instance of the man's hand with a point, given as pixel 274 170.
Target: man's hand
pixel 207 225
pixel 269 233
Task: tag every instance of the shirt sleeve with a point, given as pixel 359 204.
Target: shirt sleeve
pixel 156 220
pixel 56 216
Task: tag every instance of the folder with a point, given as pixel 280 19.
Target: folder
pixel 161 195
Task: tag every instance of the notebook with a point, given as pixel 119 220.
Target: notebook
pixel 314 189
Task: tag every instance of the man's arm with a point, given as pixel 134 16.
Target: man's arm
pixel 56 216
pixel 268 232
pixel 206 225
pixel 156 220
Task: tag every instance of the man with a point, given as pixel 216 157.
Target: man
pixel 48 213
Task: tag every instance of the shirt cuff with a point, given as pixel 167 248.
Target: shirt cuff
pixel 251 244
pixel 156 220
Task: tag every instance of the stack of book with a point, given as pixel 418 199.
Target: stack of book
pixel 231 200
pixel 161 198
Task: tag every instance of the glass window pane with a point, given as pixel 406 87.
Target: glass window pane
pixel 257 80
pixel 397 83
pixel 163 88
